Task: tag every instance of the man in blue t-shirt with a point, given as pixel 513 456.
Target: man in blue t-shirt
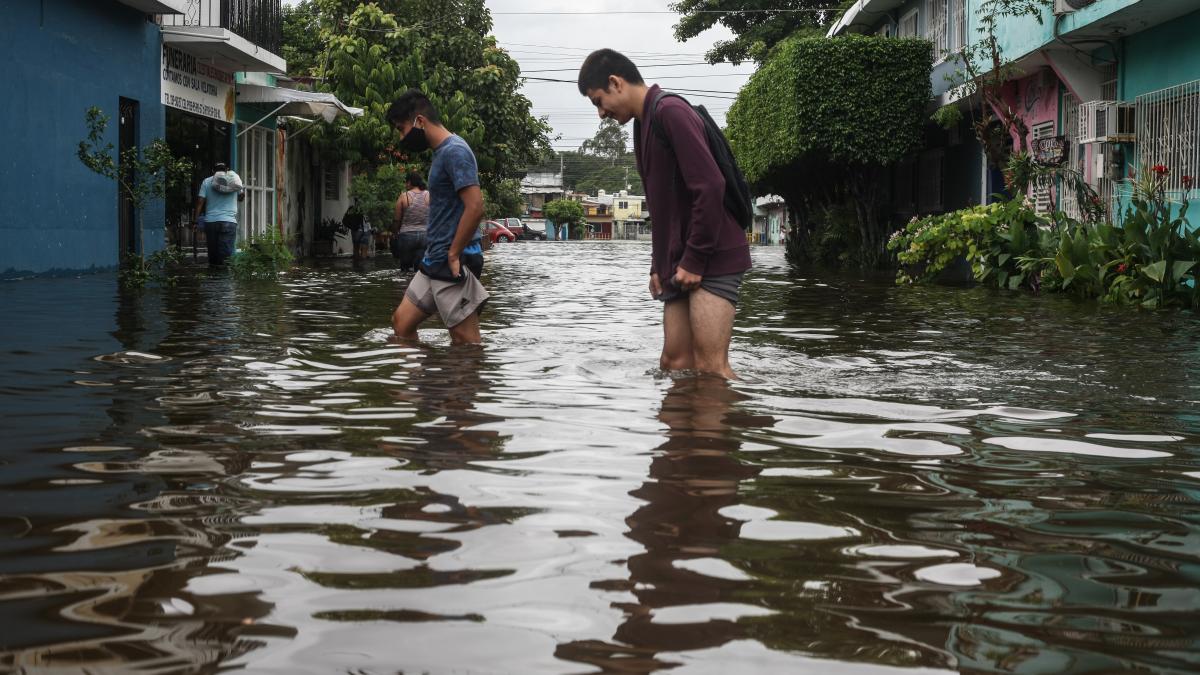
pixel 447 281
pixel 220 216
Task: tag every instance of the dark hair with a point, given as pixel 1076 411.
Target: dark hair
pixel 220 166
pixel 415 179
pixel 598 65
pixel 410 104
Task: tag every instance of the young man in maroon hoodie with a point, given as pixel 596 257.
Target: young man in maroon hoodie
pixel 699 252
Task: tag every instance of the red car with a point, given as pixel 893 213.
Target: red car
pixel 495 232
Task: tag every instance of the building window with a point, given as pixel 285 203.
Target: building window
pixel 332 181
pixel 1168 132
pixel 1042 202
pixel 622 205
pixel 908 25
pixel 957 28
pixel 935 27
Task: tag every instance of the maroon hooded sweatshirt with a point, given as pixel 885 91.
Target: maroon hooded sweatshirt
pixel 685 193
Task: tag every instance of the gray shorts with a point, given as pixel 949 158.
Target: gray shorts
pixel 728 286
pixel 453 301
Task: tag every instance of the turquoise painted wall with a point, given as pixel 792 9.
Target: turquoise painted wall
pixel 63 56
pixel 1020 36
pixel 1164 56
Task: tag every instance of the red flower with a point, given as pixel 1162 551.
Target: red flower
pixel 1187 182
pixel 1122 268
pixel 1160 169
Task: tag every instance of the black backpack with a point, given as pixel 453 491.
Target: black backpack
pixel 738 201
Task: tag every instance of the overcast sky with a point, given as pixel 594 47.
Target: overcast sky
pixel 559 42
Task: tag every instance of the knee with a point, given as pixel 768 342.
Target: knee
pixel 672 362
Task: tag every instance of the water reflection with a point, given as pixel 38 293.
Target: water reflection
pixel 218 476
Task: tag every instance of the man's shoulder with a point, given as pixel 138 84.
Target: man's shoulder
pixel 673 107
pixel 457 148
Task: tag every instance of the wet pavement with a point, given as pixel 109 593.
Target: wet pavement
pixel 222 475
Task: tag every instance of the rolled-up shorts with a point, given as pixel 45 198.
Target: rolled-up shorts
pixel 453 301
pixel 728 286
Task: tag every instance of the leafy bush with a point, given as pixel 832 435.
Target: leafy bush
pixel 990 238
pixel 845 106
pixel 567 212
pixel 264 255
pixel 375 193
pixel 1151 259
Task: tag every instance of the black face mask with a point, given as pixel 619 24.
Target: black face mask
pixel 414 140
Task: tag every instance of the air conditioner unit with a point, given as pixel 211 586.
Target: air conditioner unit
pixel 1107 122
pixel 1068 6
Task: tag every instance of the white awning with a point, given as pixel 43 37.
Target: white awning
pixel 223 49
pixel 296 103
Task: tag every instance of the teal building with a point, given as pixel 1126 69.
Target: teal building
pixel 1114 83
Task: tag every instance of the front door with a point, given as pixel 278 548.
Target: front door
pixel 127 240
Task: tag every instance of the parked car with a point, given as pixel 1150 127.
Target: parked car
pixel 497 233
pixel 522 230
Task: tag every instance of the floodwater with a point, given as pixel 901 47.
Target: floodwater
pixel 224 476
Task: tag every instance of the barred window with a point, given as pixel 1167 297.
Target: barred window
pixel 935 27
pixel 1168 131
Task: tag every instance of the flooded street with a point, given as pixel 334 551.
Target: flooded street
pixel 223 475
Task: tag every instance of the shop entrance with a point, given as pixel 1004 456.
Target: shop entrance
pixel 205 142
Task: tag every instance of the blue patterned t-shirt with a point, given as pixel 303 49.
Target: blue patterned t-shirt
pixel 453 169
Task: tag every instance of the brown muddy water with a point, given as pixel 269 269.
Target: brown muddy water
pixel 224 476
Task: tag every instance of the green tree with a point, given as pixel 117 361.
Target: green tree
pixel 610 141
pixel 302 46
pixel 756 24
pixel 504 200
pixel 141 173
pixel 376 51
pixel 567 212
pixel 826 116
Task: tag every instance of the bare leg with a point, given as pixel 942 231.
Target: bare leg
pixel 406 318
pixel 677 336
pixel 711 320
pixel 467 331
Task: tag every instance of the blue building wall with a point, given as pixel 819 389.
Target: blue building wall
pixel 64 56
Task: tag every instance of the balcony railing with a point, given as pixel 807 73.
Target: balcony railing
pixel 259 21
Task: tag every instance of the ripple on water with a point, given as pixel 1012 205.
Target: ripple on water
pixel 1061 445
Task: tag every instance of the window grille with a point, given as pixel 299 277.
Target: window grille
pixel 332 181
pixel 1076 153
pixel 256 167
pixel 908 24
pixel 1042 199
pixel 957 25
pixel 935 27
pixel 1168 122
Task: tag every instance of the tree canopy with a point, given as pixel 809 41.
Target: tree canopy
pixel 758 25
pixel 368 54
pixel 824 115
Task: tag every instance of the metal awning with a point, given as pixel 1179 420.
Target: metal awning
pixel 223 49
pixel 296 103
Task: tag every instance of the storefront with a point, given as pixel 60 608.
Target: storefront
pixel 200 106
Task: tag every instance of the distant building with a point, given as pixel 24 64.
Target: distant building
pixel 537 188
